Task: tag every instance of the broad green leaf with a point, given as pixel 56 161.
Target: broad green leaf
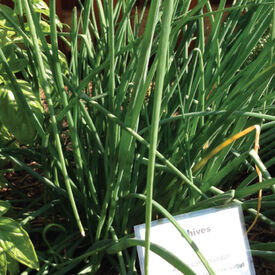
pixel 18 65
pixel 15 241
pixel 14 117
pixel 8 11
pixel 3 25
pixel 3 262
pixel 13 265
pixel 7 33
pixel 45 26
pixel 4 207
pixel 8 48
pixel 41 7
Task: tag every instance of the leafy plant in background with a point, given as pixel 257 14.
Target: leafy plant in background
pixel 131 117
pixel 16 125
pixel 15 120
pixel 15 244
pixel 13 116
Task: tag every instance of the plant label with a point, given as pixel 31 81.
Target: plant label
pixel 219 233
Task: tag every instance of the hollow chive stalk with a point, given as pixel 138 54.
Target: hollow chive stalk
pixel 134 134
pixel 132 116
pixel 112 130
pixel 110 161
pixel 272 51
pixel 60 86
pixel 80 160
pixel 46 89
pixel 161 71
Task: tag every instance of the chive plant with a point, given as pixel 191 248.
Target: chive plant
pixel 131 118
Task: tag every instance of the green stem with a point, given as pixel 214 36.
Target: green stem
pixel 134 134
pixel 162 54
pixel 46 89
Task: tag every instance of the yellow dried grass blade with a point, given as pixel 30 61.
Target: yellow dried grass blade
pixel 225 144
pixel 256 148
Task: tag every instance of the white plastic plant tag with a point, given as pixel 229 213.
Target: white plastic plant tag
pixel 218 232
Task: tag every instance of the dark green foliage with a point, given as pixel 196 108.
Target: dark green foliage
pixel 123 95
